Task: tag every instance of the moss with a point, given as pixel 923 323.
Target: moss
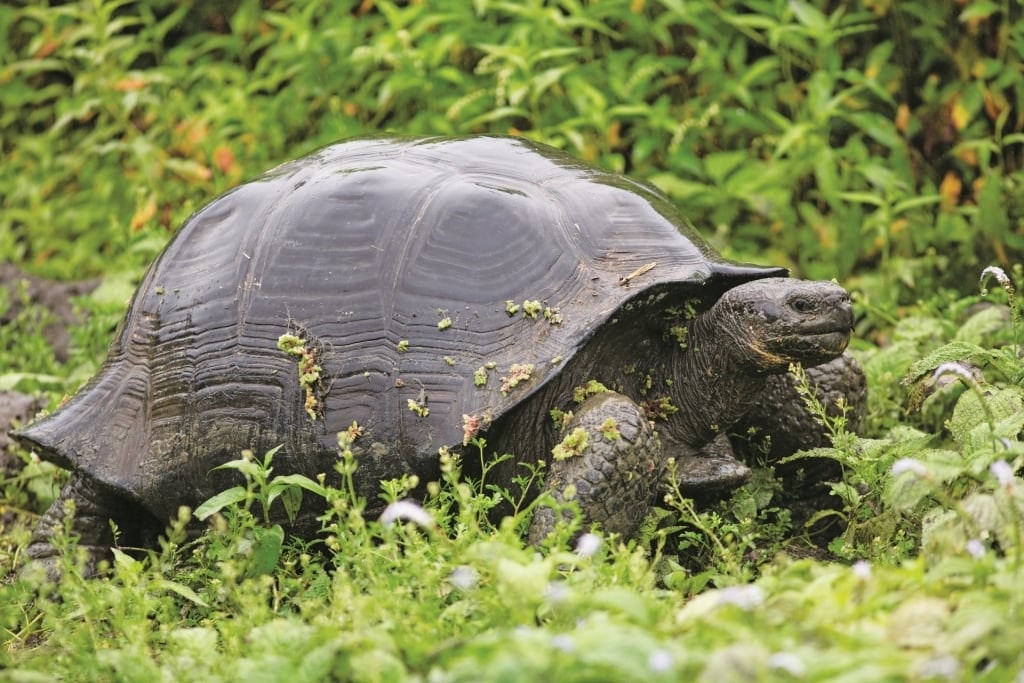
pixel 480 376
pixel 680 333
pixel 581 394
pixel 660 408
pixel 610 429
pixel 560 417
pixel 532 308
pixel 518 373
pixel 572 445
pixel 309 370
pixel 402 346
pixel 418 407
pixel 511 307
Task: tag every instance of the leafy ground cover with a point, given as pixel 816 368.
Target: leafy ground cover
pixel 876 142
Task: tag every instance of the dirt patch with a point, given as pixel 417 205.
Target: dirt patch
pixel 53 296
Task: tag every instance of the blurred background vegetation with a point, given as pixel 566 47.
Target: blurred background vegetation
pixel 877 142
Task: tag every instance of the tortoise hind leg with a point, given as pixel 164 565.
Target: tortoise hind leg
pixel 616 471
pixel 92 508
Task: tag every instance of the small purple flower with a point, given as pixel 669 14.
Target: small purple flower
pixel 408 511
pixel 587 545
pixel 788 662
pixel 975 549
pixel 746 597
pixel 1002 471
pixel 556 592
pixel 659 661
pixel 942 666
pixel 463 577
pixel 909 465
pixel 862 570
pixel 562 641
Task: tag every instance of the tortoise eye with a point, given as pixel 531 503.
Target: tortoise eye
pixel 802 305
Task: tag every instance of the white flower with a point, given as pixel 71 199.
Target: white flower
pixel 406 510
pixel 463 577
pixel 659 661
pixel 1002 471
pixel 556 592
pixel 788 662
pixel 587 545
pixel 975 548
pixel 942 666
pixel 958 369
pixel 999 274
pixel 861 569
pixel 909 465
pixel 746 597
pixel 561 641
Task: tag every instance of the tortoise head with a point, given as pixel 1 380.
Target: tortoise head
pixel 777 321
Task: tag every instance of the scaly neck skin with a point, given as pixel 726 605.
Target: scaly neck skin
pixel 715 380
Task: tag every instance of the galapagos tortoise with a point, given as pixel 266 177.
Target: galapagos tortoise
pixel 432 291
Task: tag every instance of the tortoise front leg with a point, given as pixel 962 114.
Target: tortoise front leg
pixel 711 471
pixel 613 472
pixel 92 511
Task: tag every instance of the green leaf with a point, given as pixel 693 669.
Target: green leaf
pixel 810 16
pixel 721 164
pixel 220 501
pixel 992 215
pixel 299 480
pixel 948 353
pixel 182 590
pixel 266 550
pixel 247 466
pixel 291 498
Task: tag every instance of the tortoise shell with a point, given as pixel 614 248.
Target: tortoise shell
pixel 426 279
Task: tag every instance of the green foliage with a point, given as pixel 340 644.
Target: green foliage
pixel 891 131
pixel 877 142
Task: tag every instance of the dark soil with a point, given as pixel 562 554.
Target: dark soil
pixel 55 297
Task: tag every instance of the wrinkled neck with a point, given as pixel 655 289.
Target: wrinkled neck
pixel 716 385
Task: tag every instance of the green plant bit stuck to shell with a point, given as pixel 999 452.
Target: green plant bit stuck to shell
pixel 552 315
pixel 511 307
pixel 532 308
pixel 581 394
pixel 610 430
pixel 519 372
pixel 449 361
pixel 573 444
pixel 309 370
pixel 680 333
pixel 445 322
pixel 560 417
pixel 660 408
pixel 480 376
pixel 402 346
pixel 418 407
